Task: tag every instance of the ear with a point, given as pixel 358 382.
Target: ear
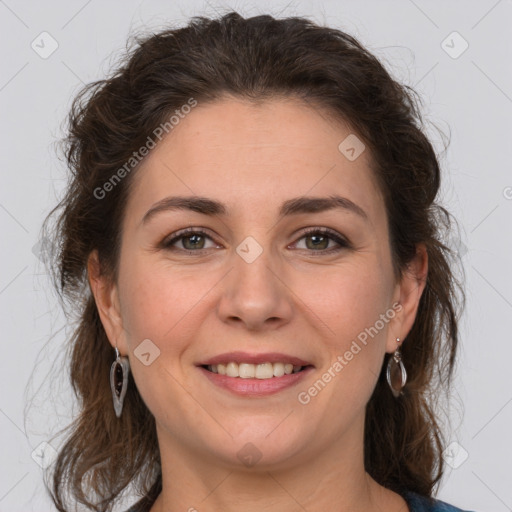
pixel 106 296
pixel 408 293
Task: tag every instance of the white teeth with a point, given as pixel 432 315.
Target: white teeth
pixel 251 371
pixel 246 371
pixel 278 369
pixel 264 371
pixel 232 370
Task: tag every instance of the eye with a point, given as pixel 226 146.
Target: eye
pixel 318 239
pixel 191 239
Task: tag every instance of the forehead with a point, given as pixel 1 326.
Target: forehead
pixel 253 157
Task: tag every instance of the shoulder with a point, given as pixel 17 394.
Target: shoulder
pixel 418 503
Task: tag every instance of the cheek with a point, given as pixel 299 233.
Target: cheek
pixel 161 305
pixel 352 303
pixel 157 300
pixel 348 298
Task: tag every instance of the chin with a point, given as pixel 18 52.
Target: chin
pixel 260 445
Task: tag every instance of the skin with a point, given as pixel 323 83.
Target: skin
pixel 291 299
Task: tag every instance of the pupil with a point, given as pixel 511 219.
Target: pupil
pixel 317 237
pixel 195 238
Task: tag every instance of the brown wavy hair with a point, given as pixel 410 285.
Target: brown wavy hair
pixel 253 59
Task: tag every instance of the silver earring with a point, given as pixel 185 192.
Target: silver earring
pixel 119 381
pixel 396 372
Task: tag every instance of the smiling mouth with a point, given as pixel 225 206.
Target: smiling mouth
pixel 255 371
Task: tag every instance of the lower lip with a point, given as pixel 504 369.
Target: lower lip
pixel 256 387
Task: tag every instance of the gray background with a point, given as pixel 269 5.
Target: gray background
pixel 468 94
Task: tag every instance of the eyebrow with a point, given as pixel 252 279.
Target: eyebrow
pixel 293 206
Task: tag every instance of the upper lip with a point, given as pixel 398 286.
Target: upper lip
pixel 246 357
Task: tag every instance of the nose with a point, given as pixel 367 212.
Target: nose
pixel 255 295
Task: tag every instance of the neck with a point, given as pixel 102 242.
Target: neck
pixel 334 479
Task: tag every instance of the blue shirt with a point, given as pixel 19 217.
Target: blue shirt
pixel 416 503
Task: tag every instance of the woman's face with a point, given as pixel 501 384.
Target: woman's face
pixel 255 287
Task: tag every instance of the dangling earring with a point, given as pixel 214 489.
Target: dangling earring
pixel 395 366
pixel 119 381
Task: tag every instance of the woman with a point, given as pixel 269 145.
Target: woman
pixel 253 246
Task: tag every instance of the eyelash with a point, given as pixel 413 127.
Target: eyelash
pixel 343 243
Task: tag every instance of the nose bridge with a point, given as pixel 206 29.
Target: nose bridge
pixel 253 266
pixel 253 293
